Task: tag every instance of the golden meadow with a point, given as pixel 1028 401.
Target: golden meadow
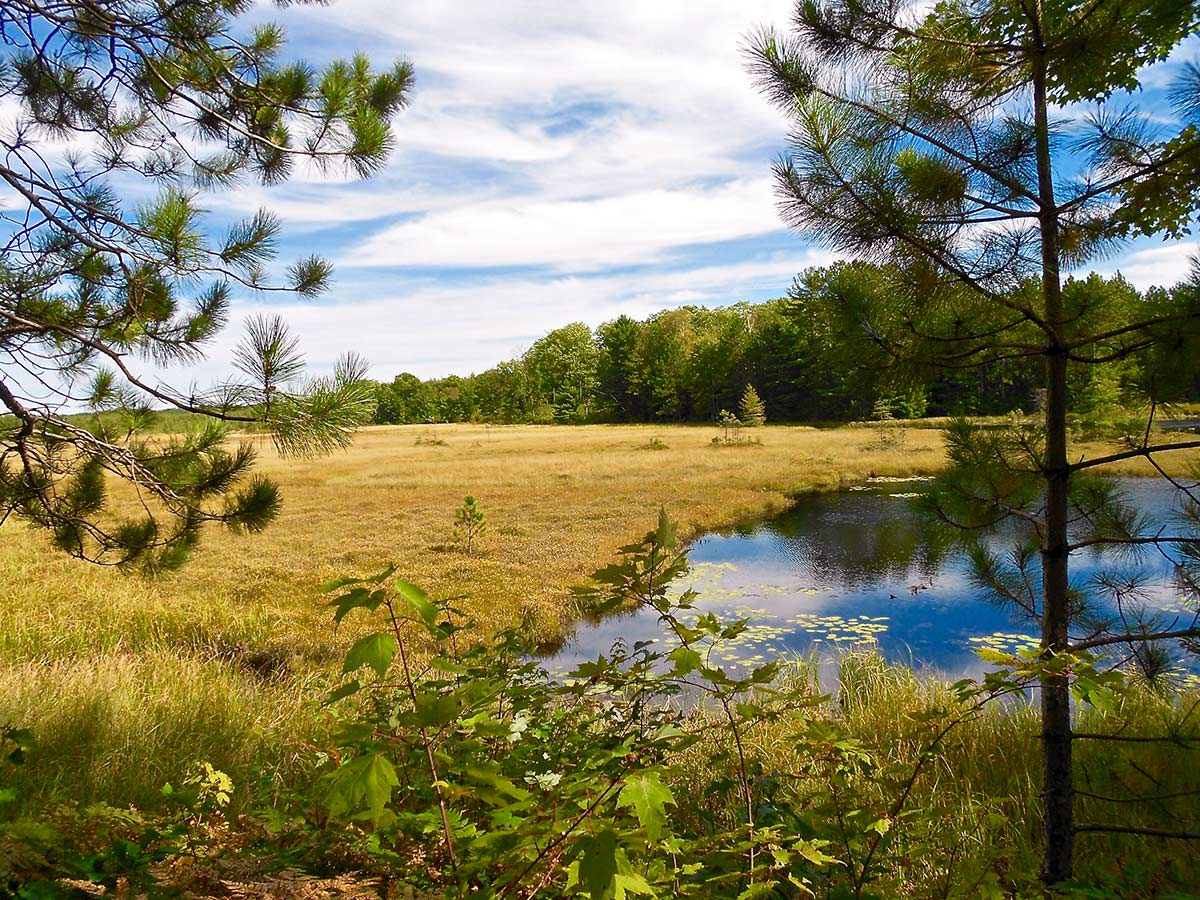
pixel 127 681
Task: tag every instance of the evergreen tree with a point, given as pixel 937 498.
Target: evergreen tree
pixel 940 143
pixel 618 341
pixel 469 523
pixel 92 283
pixel 751 410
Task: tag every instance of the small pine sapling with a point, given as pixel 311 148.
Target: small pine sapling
pixel 882 411
pixel 752 410
pixel 729 423
pixel 469 523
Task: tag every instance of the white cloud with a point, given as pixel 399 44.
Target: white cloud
pixel 306 207
pixel 533 101
pixel 1163 266
pixel 575 234
pixel 1163 74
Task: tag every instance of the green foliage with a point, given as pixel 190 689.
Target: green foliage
pixel 103 847
pixel 364 783
pixel 731 431
pixel 890 433
pixel 179 98
pixel 561 368
pixel 730 425
pixel 945 159
pixel 815 355
pixel 469 523
pixel 751 410
pixel 642 772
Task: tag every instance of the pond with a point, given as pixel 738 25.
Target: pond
pixel 858 568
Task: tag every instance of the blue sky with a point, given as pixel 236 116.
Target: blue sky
pixel 560 162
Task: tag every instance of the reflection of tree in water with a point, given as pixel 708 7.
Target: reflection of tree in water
pixel 859 539
pixel 837 570
pixel 851 541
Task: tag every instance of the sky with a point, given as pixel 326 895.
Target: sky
pixel 559 162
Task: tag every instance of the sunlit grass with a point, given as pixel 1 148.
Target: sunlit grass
pixel 981 791
pixel 127 680
pixel 117 728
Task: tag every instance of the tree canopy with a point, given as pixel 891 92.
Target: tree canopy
pixel 807 355
pixel 109 269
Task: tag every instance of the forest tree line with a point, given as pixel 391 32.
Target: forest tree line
pixel 807 355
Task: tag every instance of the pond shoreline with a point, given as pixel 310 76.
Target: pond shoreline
pixel 880 583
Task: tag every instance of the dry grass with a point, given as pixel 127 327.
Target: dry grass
pixel 243 619
pixel 558 501
pixel 138 670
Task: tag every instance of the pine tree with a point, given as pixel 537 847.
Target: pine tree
pixel 751 410
pixel 729 423
pixel 469 523
pixel 93 285
pixel 981 148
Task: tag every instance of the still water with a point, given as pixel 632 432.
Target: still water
pixel 859 568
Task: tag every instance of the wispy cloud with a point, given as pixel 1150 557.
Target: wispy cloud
pixel 577 234
pixel 1161 266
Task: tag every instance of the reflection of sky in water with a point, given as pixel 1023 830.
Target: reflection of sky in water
pixel 853 569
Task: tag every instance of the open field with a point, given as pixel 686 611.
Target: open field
pixel 99 662
pixel 558 501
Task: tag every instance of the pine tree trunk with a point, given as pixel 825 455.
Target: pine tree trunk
pixel 1057 785
pixel 1058 790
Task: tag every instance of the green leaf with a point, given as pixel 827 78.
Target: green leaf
pixel 686 660
pixel 375 650
pixel 759 891
pixel 438 708
pixel 330 586
pixel 811 850
pixel 598 863
pixel 489 774
pixel 649 798
pixel 351 687
pixel 359 598
pixel 988 654
pixel 630 883
pixel 764 674
pixel 365 782
pixel 418 600
pixel 383 576
pixel 664 537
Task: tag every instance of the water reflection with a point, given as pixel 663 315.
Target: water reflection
pixel 856 568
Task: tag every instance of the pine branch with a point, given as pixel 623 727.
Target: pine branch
pixel 1143 451
pixel 1134 638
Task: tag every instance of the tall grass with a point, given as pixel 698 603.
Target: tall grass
pixel 974 806
pixel 117 728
